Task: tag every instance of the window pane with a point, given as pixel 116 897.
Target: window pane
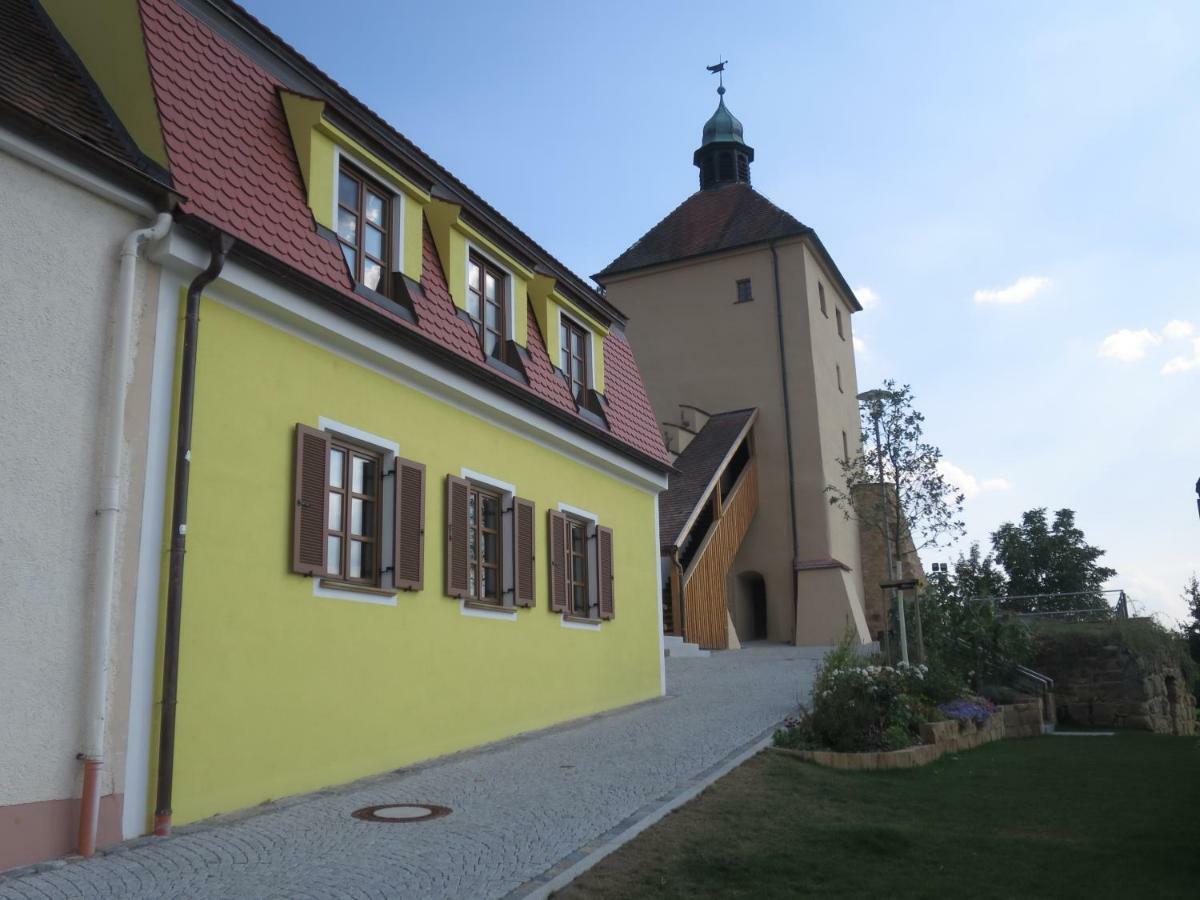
pixel 491 513
pixel 347 190
pixel 374 242
pixel 356 560
pixel 374 208
pixel 335 555
pixel 347 226
pixel 356 516
pixel 493 317
pixel 358 474
pixel 337 467
pixel 335 511
pixel 471 586
pixel 577 569
pixel 489 286
pixel 372 275
pixel 473 276
pixel 580 371
pixel 580 600
pixel 491 586
pixel 491 343
pixel 351 259
pixel 473 304
pixel 491 548
pixel 369 567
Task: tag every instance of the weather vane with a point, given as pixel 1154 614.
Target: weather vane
pixel 719 71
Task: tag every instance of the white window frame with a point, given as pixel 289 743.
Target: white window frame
pixel 387 506
pixel 508 493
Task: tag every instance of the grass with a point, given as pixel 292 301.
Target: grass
pixel 1047 817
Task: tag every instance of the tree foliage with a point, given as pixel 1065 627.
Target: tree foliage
pixel 1040 557
pixel 1191 626
pixel 917 494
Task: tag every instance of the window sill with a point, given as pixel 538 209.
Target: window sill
pixel 333 585
pixel 581 620
pixel 578 623
pixel 476 609
pixel 489 607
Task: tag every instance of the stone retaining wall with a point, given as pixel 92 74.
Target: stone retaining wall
pixel 1018 720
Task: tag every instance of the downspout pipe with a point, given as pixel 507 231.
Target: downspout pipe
pixel 787 418
pixel 107 520
pixel 220 247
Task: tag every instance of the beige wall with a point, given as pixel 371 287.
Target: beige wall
pixel 696 345
pixel 56 294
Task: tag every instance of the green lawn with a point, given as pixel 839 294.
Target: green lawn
pixel 1047 817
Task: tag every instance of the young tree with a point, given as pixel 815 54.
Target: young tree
pixel 915 499
pixel 1040 557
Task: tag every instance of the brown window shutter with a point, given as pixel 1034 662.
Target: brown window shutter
pixel 523 552
pixel 408 562
pixel 457 535
pixel 558 561
pixel 604 570
pixel 310 501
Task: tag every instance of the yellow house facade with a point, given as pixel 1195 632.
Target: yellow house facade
pixel 402 470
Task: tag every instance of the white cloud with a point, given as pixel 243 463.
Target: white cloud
pixel 1019 291
pixel 1127 345
pixel 860 346
pixel 867 297
pixel 1184 363
pixel 1177 330
pixel 968 483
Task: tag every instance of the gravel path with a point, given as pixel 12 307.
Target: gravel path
pixel 519 807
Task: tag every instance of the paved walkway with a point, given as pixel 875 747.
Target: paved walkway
pixel 520 807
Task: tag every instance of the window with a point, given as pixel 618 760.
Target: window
pixel 574 341
pixel 485 573
pixel 845 448
pixel 363 218
pixel 841 333
pixel 358 512
pixel 487 303
pixel 577 568
pixel 353 527
pixel 821 298
pixel 581 566
pixel 744 292
pixel 839 378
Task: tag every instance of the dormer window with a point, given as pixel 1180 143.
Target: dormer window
pixel 574 341
pixel 487 304
pixel 364 214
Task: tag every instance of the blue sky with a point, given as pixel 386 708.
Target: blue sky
pixel 1017 184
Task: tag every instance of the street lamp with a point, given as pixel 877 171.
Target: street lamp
pixel 876 399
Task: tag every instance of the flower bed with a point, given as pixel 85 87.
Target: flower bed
pixel 865 715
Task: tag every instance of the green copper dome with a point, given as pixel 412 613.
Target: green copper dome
pixel 722 125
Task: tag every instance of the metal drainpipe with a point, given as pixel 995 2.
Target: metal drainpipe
pixel 787 424
pixel 220 246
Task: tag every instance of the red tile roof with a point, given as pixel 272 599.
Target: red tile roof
pixel 42 79
pixel 231 155
pixel 722 218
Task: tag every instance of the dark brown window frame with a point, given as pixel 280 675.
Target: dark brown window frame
pixel 476 492
pixel 350 449
pixel 585 528
pixel 364 183
pixel 749 285
pixel 569 328
pixel 486 267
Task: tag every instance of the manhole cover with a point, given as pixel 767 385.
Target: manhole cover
pixel 401 812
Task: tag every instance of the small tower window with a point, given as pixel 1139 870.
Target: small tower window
pixel 744 292
pixel 821 297
pixel 841 332
pixel 839 378
pixel 725 167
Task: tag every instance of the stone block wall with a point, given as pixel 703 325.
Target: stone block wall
pixel 1111 682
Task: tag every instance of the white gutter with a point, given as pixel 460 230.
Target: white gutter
pixel 107 515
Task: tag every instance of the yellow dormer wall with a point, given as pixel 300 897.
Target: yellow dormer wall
pixel 319 145
pixel 548 303
pixel 107 37
pixel 453 238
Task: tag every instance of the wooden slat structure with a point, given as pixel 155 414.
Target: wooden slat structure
pixel 705 612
